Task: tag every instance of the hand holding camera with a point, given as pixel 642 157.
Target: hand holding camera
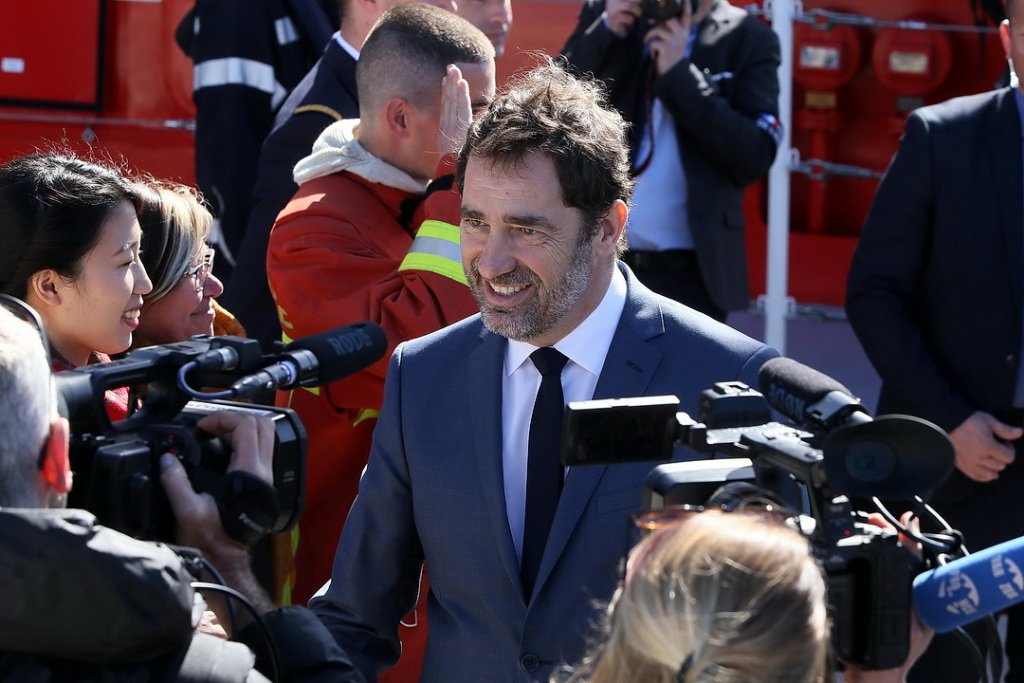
pixel 197 516
pixel 621 15
pixel 667 39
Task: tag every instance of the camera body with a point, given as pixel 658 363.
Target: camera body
pixel 660 10
pixel 869 573
pixel 117 464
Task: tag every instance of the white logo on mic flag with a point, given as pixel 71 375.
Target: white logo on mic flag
pixel 1012 584
pixel 960 592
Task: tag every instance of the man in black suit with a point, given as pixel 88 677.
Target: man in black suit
pixel 701 91
pixel 935 296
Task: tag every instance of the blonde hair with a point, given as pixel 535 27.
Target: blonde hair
pixel 733 596
pixel 175 223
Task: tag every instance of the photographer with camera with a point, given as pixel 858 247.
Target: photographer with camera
pixel 83 602
pixel 697 80
pixel 722 596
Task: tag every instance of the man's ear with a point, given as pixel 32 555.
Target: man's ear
pixel 56 464
pixel 397 117
pixel 613 224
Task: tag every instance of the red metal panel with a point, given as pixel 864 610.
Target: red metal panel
pixel 49 52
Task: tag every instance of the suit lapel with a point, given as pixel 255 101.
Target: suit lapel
pixel 1004 149
pixel 486 363
pixel 628 370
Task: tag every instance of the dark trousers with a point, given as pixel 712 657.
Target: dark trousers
pixel 676 274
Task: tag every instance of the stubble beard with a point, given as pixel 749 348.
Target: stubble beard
pixel 538 315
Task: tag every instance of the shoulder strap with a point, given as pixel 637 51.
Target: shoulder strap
pixel 318 109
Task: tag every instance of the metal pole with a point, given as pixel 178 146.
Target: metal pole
pixel 775 308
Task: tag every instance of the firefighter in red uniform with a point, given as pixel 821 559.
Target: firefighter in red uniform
pixel 357 242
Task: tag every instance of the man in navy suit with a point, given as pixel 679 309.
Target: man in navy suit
pixel 545 183
pixel 935 296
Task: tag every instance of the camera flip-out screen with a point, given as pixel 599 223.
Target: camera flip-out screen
pixel 619 430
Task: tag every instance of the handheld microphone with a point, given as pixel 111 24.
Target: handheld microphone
pixel 808 397
pixel 319 359
pixel 971 588
pixel 895 456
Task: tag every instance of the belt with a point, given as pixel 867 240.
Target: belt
pixel 670 259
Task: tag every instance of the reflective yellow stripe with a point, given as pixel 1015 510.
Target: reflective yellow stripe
pixel 436 250
pixel 365 414
pixel 289 580
pixel 440 230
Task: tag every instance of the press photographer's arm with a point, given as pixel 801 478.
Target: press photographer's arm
pixel 196 515
pixel 94 603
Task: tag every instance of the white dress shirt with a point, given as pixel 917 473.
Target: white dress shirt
pixel 586 348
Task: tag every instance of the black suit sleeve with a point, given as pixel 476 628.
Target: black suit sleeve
pixel 885 281
pixel 306 651
pixel 589 43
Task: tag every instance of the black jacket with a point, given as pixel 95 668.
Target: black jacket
pixel 81 602
pixel 724 103
pixel 325 95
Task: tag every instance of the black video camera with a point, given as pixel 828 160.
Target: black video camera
pixel 116 464
pixel 660 10
pixel 846 454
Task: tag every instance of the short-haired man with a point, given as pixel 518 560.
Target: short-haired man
pixel 350 245
pixel 326 94
pixel 516 576
pixel 84 602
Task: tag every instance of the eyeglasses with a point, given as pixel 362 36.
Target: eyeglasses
pixel 201 271
pixel 653 520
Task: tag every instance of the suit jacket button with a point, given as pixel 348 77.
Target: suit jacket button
pixel 1011 359
pixel 530 663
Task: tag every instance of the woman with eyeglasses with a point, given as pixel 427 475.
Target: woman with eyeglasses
pixel 175 225
pixel 69 247
pixel 721 598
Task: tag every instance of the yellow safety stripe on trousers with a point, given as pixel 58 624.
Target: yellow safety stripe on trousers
pixel 436 250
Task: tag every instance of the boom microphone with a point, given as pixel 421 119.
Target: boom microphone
pixel 895 456
pixel 810 398
pixel 971 588
pixel 319 359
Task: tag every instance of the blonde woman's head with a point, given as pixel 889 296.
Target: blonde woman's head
pixel 718 598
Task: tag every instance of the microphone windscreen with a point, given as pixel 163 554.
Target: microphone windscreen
pixel 790 387
pixel 344 350
pixel 971 588
pixel 798 379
